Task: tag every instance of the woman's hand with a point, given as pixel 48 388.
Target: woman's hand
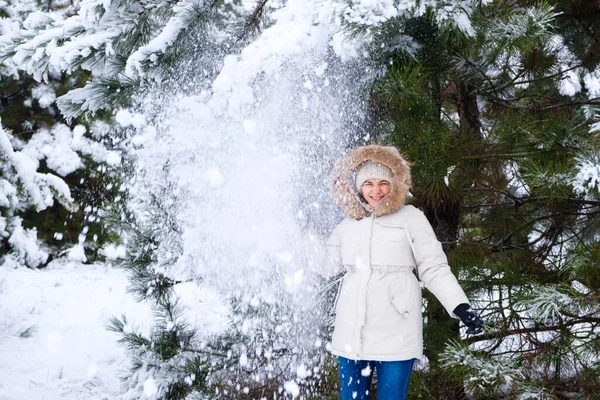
pixel 470 318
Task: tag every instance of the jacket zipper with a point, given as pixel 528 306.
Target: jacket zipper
pixel 364 321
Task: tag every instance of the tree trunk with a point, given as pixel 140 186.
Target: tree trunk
pixel 445 219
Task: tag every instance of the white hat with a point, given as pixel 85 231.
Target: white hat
pixel 372 169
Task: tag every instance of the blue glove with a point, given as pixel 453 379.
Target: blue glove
pixel 470 318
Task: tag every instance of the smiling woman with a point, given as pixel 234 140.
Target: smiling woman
pixel 384 247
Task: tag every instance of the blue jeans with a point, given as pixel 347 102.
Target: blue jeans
pixel 356 376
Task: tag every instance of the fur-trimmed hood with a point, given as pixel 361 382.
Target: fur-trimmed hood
pixel 343 179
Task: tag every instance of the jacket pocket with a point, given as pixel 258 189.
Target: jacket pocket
pixel 391 245
pixel 383 232
pixel 400 306
pixel 403 294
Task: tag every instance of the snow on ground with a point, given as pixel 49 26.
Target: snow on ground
pixel 53 338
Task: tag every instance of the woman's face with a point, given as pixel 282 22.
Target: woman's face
pixel 374 190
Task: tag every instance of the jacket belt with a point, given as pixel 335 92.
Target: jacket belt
pixel 384 268
pixel 393 268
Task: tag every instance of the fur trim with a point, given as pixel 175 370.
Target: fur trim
pixel 343 187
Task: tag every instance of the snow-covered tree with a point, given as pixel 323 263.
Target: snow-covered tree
pixel 74 154
pixel 502 124
pixel 23 186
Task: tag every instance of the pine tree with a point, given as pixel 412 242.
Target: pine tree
pixel 78 64
pixel 67 154
pixel 502 128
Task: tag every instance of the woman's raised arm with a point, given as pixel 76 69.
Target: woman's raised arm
pixel 326 259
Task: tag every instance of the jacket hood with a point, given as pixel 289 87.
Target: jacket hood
pixel 343 177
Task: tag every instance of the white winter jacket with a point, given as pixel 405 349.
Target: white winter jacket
pixel 378 308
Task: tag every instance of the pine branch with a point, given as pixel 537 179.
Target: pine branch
pixel 547 328
pixel 514 82
pixel 590 102
pixel 492 155
pixel 254 20
pixel 519 201
pixel 509 103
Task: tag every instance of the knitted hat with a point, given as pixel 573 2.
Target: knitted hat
pixel 372 169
